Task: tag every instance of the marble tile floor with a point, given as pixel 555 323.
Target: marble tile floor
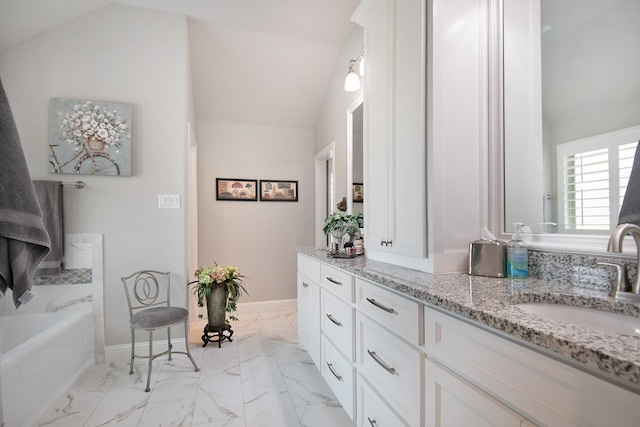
pixel 259 379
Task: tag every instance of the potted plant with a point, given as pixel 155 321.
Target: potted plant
pixel 220 287
pixel 337 221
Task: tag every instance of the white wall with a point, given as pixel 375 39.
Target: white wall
pixel 258 237
pixel 332 124
pixel 127 55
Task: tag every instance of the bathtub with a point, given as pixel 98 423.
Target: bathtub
pixel 42 355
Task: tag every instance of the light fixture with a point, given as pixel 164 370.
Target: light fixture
pixel 352 82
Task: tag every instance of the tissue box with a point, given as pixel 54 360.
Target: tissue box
pixel 488 258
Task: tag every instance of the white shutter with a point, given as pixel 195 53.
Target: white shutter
pixel 593 176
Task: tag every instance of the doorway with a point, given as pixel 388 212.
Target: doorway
pixel 324 178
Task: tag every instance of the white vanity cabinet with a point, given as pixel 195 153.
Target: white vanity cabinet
pixel 506 383
pixel 309 307
pixel 394 125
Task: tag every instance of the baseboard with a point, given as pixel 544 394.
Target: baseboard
pixel 122 352
pixel 267 306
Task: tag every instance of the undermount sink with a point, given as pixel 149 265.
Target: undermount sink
pixel 585 316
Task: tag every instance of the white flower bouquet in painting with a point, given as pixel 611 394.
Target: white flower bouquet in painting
pixel 90 137
pixel 89 122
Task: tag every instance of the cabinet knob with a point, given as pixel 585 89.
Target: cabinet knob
pixel 386 242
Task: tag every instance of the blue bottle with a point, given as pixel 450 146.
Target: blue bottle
pixel 517 255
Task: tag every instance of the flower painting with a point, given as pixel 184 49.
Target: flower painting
pixel 89 137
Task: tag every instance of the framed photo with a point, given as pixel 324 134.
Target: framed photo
pixel 278 191
pixel 90 137
pixel 237 189
pixel 357 191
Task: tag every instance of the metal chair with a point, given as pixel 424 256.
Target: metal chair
pixel 150 309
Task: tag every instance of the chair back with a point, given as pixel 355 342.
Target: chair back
pixel 147 288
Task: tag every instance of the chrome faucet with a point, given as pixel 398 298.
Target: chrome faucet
pixel 621 288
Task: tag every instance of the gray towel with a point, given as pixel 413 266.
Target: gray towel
pixel 630 210
pixel 24 241
pixel 49 195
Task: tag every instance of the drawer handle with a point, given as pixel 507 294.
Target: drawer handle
pixel 380 306
pixel 375 357
pixel 334 281
pixel 335 374
pixel 333 319
pixel 305 285
pixel 372 422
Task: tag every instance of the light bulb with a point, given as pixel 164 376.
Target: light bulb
pixel 352 82
pixel 362 66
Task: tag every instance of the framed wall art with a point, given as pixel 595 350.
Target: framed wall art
pixel 357 192
pixel 237 189
pixel 278 191
pixel 90 137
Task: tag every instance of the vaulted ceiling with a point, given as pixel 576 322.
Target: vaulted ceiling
pixel 264 62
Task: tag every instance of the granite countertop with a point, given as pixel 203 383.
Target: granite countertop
pixel 491 302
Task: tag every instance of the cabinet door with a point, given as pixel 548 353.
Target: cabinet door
pixel 339 374
pixel 377 125
pixel 451 401
pixel 408 227
pixel 309 317
pixel 336 319
pixel 373 411
pixel 394 127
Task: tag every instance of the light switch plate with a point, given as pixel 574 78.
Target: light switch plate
pixel 168 201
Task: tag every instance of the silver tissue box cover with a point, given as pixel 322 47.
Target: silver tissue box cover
pixel 488 258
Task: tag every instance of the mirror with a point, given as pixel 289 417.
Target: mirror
pixel 355 174
pixel 571 112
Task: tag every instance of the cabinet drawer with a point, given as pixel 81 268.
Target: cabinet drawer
pixel 337 281
pixel 337 323
pixel 451 401
pixel 542 389
pixel 372 410
pixel 309 267
pixel 392 366
pixel 339 373
pixel 399 314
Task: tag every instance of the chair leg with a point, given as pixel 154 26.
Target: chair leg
pixel 169 341
pixel 186 342
pixel 150 359
pixel 133 350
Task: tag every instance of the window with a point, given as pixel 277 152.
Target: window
pixel 594 173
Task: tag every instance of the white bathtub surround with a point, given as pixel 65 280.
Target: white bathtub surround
pixel 43 355
pixel 226 392
pixel 82 251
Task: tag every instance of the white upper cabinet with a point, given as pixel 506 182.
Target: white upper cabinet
pixel 394 126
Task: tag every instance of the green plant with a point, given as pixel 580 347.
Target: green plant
pixel 210 276
pixel 360 220
pixel 337 221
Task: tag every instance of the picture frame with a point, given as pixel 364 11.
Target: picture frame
pixel 272 190
pixel 357 192
pixel 89 137
pixel 237 189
